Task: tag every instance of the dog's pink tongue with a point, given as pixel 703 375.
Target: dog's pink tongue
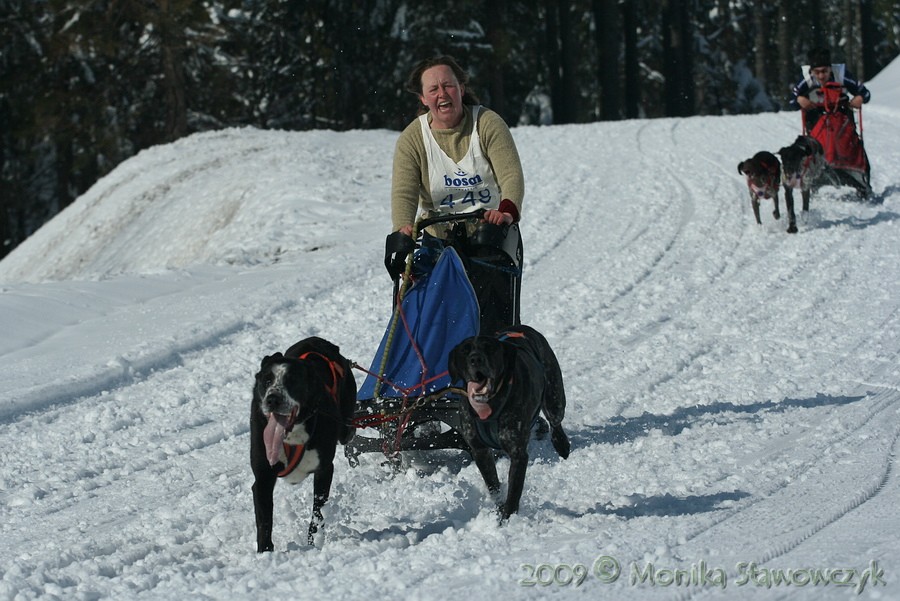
pixel 273 436
pixel 482 409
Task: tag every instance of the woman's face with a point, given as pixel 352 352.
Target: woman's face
pixel 442 94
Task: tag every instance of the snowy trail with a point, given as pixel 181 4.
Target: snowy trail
pixel 734 391
pixel 857 463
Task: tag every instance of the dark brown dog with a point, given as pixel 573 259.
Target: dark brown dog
pixel 763 179
pixel 802 165
pixel 302 405
pixel 510 378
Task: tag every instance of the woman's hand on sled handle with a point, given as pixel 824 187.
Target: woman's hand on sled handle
pixel 505 214
pixel 856 102
pixel 498 217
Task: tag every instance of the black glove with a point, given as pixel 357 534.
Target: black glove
pixel 397 247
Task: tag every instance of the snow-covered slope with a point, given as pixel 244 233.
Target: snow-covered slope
pixel 733 390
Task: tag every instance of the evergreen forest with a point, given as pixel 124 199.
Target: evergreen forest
pixel 86 84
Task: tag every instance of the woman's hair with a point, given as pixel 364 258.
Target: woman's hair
pixel 414 81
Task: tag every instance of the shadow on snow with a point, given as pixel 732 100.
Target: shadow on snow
pixel 626 429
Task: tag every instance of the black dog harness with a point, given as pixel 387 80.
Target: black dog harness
pixel 488 430
pixel 294 452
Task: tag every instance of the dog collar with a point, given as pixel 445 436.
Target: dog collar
pixel 761 191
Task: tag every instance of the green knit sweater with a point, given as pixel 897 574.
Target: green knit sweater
pixel 409 184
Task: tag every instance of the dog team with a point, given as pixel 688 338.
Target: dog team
pixel 304 399
pixel 801 168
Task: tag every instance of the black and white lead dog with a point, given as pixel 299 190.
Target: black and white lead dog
pixel 302 404
pixel 802 168
pixel 510 379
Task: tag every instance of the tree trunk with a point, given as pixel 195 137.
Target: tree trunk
pixel 497 36
pixel 760 45
pixel 606 17
pixel 815 33
pixel 172 47
pixel 687 59
pixel 632 64
pixel 786 67
pixel 677 48
pixel 552 56
pixel 867 67
pixel 570 61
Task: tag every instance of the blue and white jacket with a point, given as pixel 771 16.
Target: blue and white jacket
pixel 809 86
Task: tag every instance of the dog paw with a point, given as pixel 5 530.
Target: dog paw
pixel 502 515
pixel 352 456
pixel 504 511
pixel 792 229
pixel 311 535
pixel 561 442
pixel 315 524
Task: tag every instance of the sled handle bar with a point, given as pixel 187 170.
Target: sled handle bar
pixel 398 246
pixel 423 223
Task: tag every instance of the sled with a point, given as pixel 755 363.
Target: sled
pixel 407 397
pixel 845 156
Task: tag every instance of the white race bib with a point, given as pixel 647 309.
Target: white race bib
pixel 460 187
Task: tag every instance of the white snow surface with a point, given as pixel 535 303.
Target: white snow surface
pixel 733 390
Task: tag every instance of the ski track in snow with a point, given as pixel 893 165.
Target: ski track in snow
pixel 733 391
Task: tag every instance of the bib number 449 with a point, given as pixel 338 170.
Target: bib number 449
pixel 470 198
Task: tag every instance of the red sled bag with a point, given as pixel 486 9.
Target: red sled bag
pixel 836 132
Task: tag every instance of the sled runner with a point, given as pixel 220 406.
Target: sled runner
pixel 407 395
pixel 845 156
